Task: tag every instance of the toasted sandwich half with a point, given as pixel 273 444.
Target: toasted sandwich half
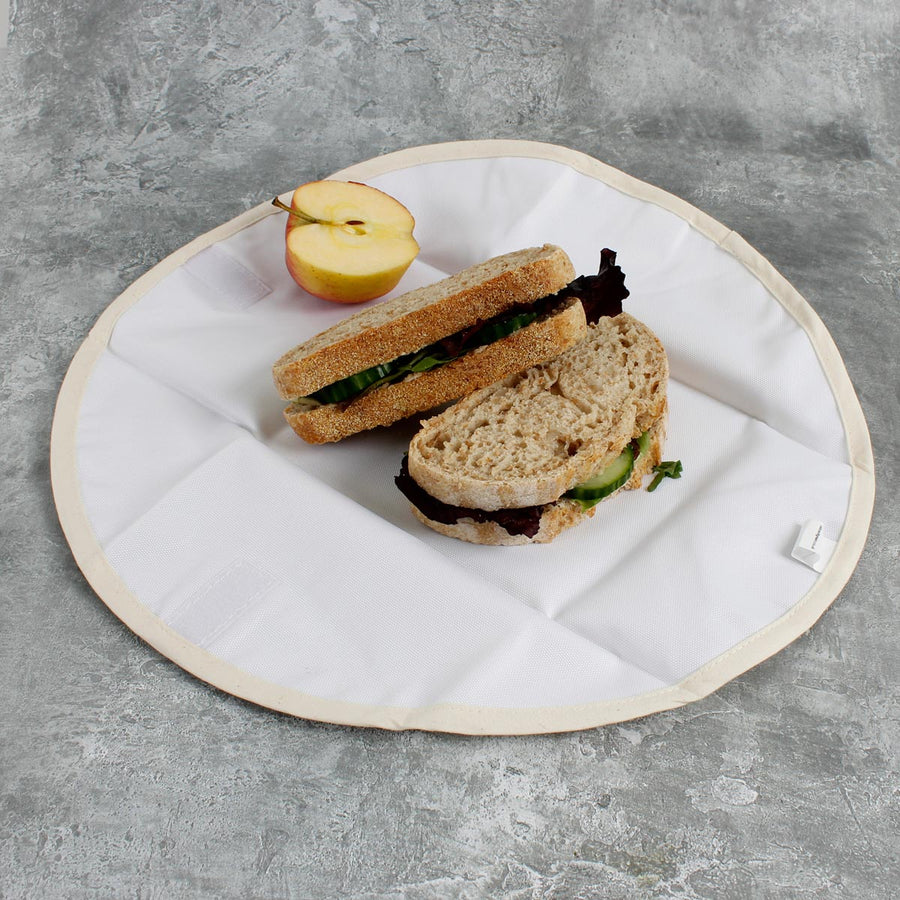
pixel 519 461
pixel 432 345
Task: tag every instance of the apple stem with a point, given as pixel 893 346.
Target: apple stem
pixel 352 224
pixel 300 215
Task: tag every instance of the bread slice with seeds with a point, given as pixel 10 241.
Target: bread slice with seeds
pixel 509 297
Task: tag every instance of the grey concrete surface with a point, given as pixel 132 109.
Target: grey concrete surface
pixel 128 128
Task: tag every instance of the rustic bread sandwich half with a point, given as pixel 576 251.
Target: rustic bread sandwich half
pixel 519 461
pixel 432 345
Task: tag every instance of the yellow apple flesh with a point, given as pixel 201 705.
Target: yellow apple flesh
pixel 347 242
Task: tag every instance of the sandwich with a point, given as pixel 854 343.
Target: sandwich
pixel 432 345
pixel 520 461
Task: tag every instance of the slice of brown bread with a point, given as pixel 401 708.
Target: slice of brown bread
pixel 409 322
pixel 528 439
pixel 557 516
pixel 543 339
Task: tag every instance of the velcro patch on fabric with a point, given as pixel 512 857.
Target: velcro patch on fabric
pixel 206 613
pixel 229 285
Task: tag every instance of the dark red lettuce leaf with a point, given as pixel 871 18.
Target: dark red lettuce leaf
pixel 601 294
pixel 526 520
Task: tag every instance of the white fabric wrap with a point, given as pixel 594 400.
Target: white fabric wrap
pixel 299 569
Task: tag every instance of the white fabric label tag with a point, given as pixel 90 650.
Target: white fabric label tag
pixel 812 547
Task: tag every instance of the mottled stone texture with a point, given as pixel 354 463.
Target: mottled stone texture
pixel 128 127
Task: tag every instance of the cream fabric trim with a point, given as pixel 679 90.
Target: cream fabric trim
pixel 449 717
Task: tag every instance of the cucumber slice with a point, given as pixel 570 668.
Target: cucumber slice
pixel 643 443
pixel 493 331
pixel 353 385
pixel 604 483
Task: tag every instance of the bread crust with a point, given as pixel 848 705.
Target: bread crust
pixel 527 440
pixel 559 515
pixel 409 322
pixel 540 341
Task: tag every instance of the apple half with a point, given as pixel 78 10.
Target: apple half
pixel 347 242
